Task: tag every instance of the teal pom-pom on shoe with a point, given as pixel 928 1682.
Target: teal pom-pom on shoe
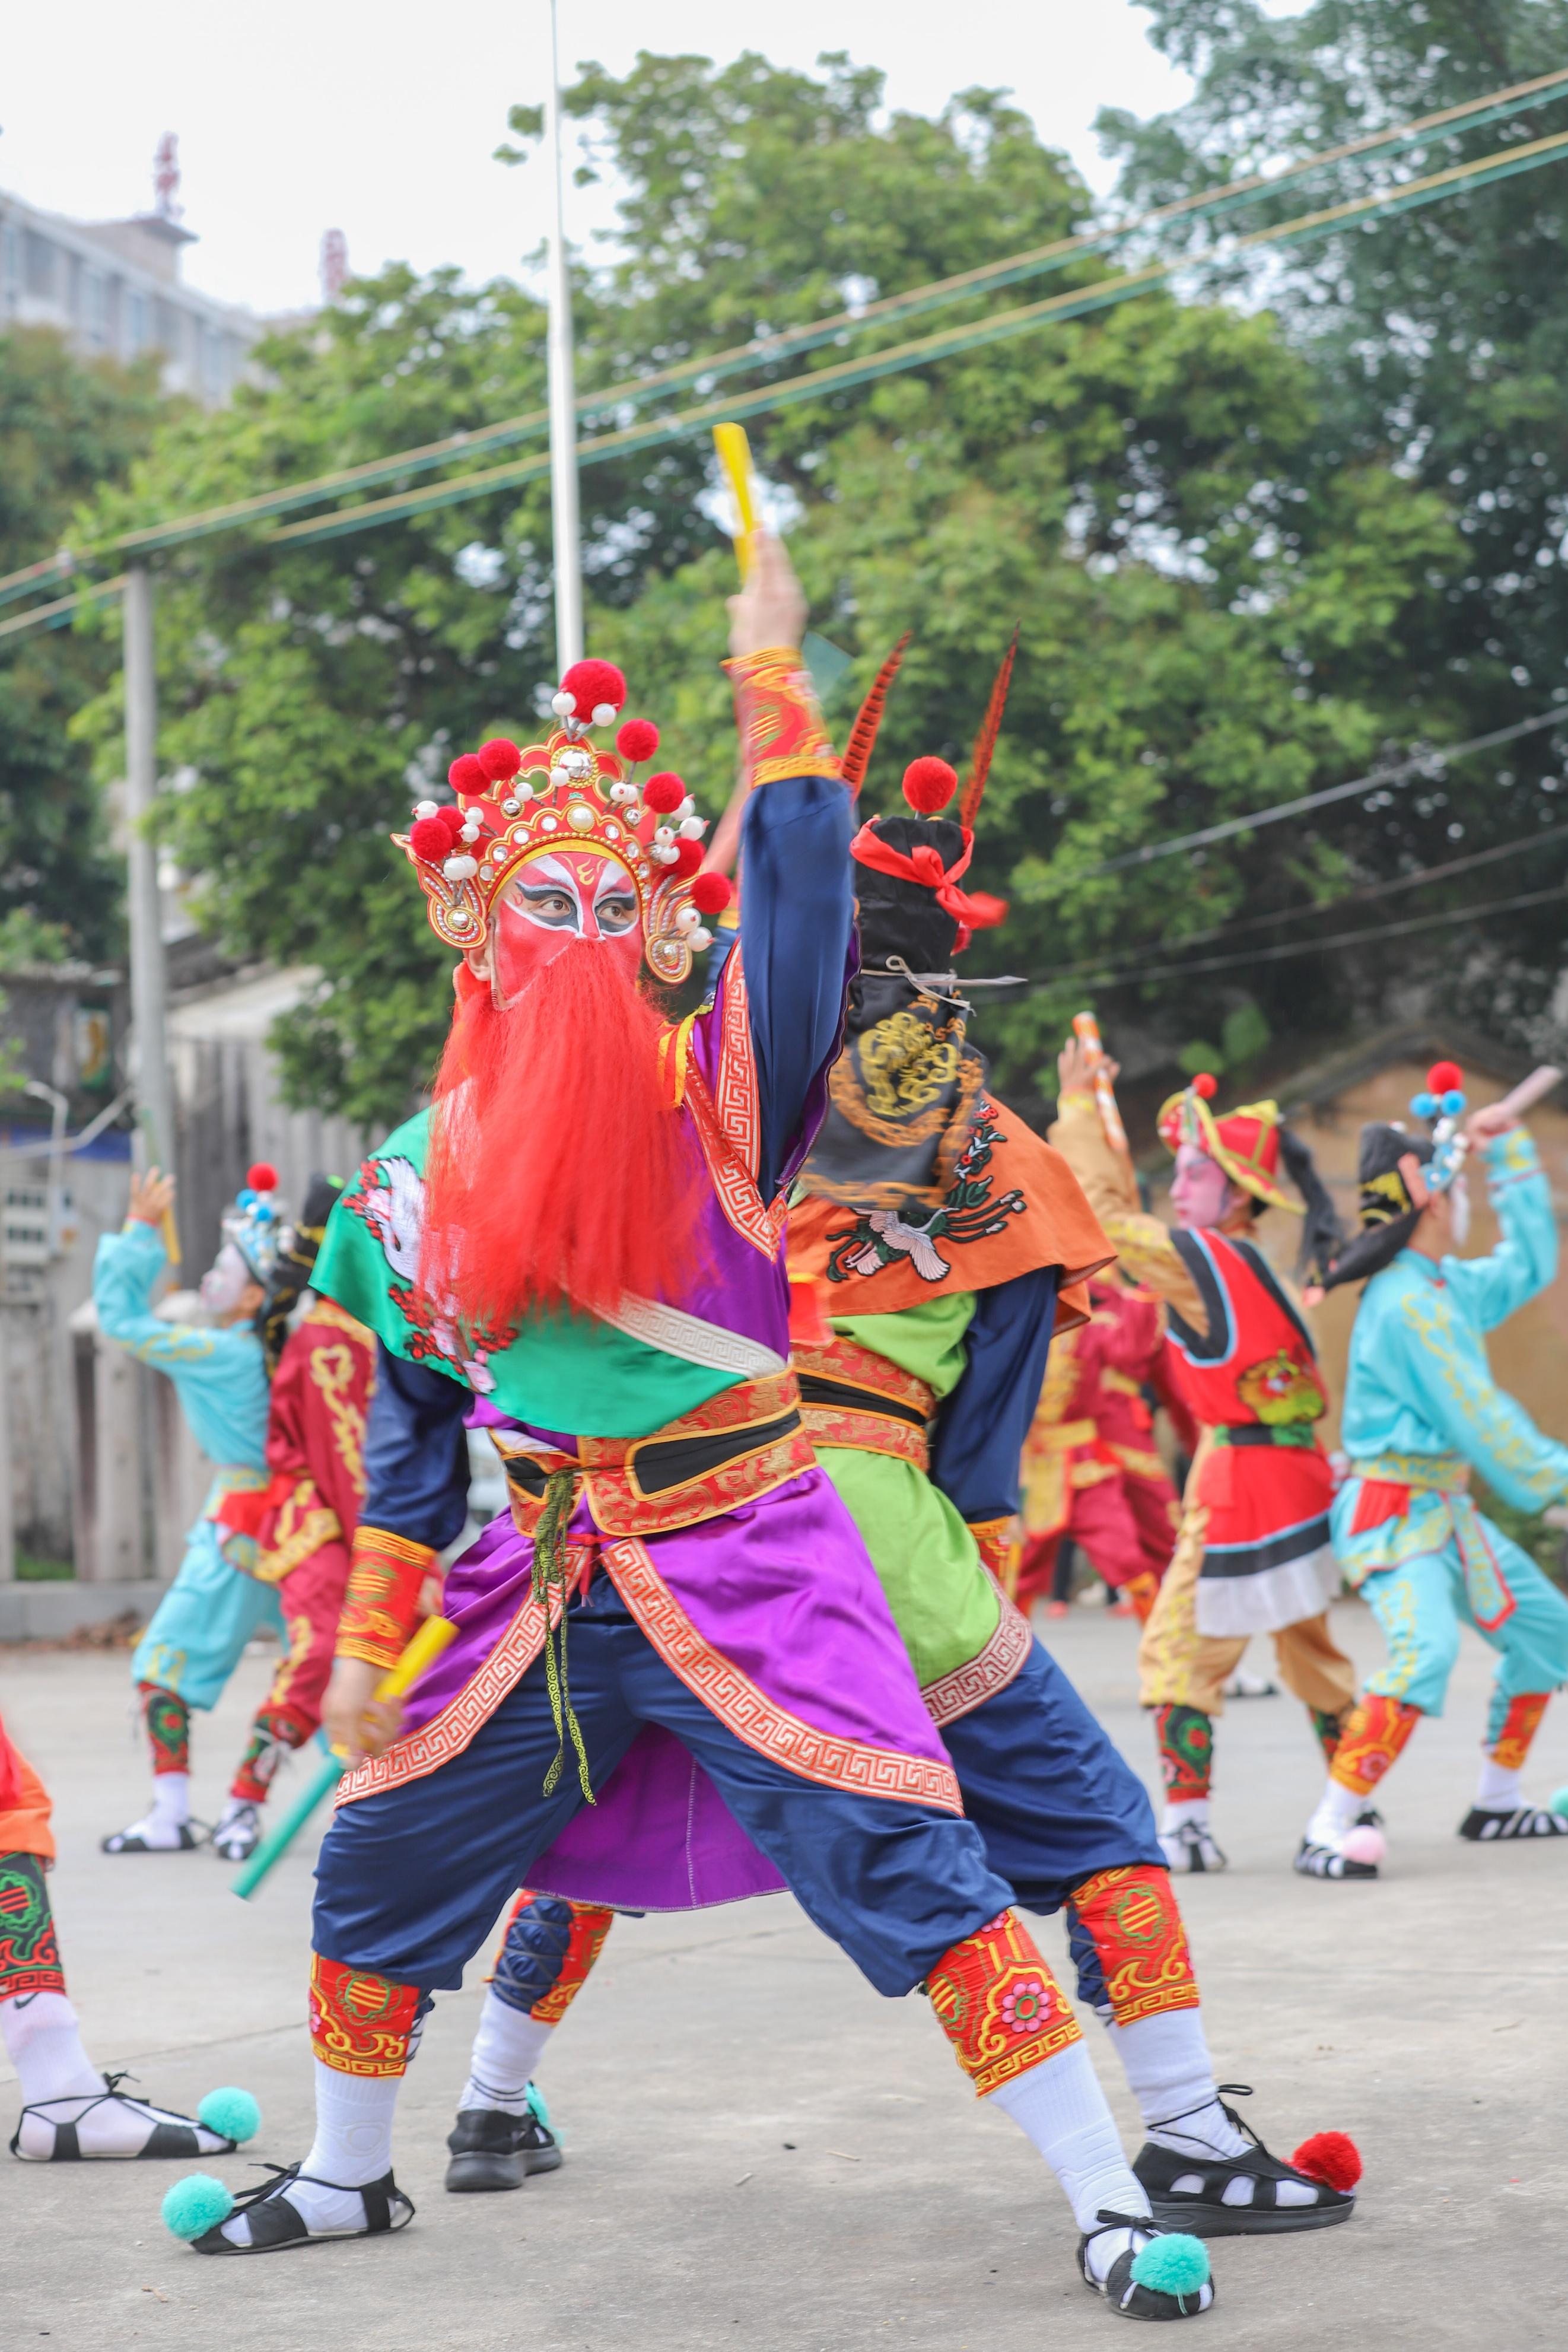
pixel 232 2115
pixel 198 2203
pixel 1172 2264
pixel 1557 1802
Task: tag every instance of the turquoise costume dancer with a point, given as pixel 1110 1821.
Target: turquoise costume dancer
pixel 1421 1411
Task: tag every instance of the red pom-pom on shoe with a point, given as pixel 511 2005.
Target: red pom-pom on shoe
pixel 261 1176
pixel 500 760
pixel 663 794
pixel 1207 1084
pixel 466 775
pixel 638 739
pixel 688 857
pixel 430 839
pixel 711 894
pixel 593 686
pixel 1445 1078
pixel 929 784
pixel 1330 2158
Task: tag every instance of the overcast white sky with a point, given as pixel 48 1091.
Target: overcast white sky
pixel 381 120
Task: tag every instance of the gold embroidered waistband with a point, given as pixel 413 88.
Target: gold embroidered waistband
pixel 1438 1474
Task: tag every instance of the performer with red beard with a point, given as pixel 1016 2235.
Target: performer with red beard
pixel 678 1631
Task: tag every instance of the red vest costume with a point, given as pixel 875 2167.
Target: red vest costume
pixel 1252 1381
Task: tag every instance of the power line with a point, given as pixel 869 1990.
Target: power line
pixel 1318 947
pixel 768 350
pixel 1420 763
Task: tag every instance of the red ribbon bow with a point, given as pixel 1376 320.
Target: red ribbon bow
pixel 974 911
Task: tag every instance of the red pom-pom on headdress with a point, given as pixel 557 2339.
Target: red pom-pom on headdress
pixel 711 894
pixel 261 1176
pixel 1207 1084
pixel 688 857
pixel 929 784
pixel 467 775
pixel 594 686
pixel 430 839
pixel 1445 1078
pixel 500 760
pixel 663 794
pixel 1331 2157
pixel 638 739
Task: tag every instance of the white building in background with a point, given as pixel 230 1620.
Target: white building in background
pixel 114 287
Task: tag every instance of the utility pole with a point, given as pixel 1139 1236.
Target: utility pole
pixel 154 1096
pixel 562 391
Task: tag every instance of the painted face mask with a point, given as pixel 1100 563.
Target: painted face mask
pixel 555 898
pixel 223 1284
pixel 1198 1188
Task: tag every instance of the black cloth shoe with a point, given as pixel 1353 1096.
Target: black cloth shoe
pixel 191 1835
pixel 1327 1862
pixel 1482 1826
pixel 1198 2204
pixel 275 2224
pixel 168 2134
pixel 1122 2291
pixel 492 2149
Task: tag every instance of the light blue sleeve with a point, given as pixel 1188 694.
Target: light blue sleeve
pixel 1434 1360
pixel 1491 1288
pixel 124 1271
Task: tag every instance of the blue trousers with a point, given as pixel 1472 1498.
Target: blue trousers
pixel 409 1880
pixel 199 1627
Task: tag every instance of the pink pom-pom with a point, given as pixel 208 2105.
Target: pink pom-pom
pixel 1331 2157
pixel 929 784
pixel 663 794
pixel 688 857
pixel 1445 1078
pixel 1365 1845
pixel 499 758
pixel 1207 1084
pixel 593 683
pixel 711 894
pixel 261 1176
pixel 638 739
pixel 466 775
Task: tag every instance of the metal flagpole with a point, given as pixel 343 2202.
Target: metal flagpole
pixel 154 1096
pixel 562 393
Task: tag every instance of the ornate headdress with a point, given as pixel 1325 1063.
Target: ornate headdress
pixel 293 1266
pixel 254 1223
pixel 1249 1144
pixel 924 856
pixel 517 804
pixel 1388 1214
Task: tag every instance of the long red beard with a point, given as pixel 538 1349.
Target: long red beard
pixel 560 1175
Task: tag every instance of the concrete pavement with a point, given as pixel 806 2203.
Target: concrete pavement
pixel 762 2154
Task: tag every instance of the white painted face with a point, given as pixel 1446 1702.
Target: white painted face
pixel 225 1282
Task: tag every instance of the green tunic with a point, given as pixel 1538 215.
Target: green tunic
pixel 943 1601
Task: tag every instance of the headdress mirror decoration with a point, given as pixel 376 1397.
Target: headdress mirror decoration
pixel 517 804
pixel 1442 1104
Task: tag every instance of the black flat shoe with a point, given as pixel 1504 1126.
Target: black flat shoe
pixel 1482 1826
pixel 1327 1862
pixel 1188 2190
pixel 1177 2284
pixel 275 2224
pixel 492 2149
pixel 191 1835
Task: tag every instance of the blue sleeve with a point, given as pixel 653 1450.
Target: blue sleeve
pixel 797 910
pixel 416 1453
pixel 982 1426
pixel 124 1270
pixel 1525 1260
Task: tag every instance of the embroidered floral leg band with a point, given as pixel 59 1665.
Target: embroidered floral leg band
pixel 550 1946
pixel 999 2005
pixel 1520 1721
pixel 1126 1937
pixel 1185 1736
pixel 29 1956
pixel 1372 1740
pixel 168 1722
pixel 274 1729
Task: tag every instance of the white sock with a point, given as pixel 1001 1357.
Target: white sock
pixel 1059 2105
pixel 1185 1809
pixel 507 2048
pixel 44 2044
pixel 1500 1791
pixel 161 1824
pixel 1170 2073
pixel 1336 1811
pixel 352 2144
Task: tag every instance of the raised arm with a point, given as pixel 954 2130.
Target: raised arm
pixel 1144 1245
pixel 125 1270
pixel 1525 1260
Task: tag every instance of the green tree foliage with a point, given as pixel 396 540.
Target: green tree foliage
pixel 67 425
pixel 1437 343
pixel 1218 608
